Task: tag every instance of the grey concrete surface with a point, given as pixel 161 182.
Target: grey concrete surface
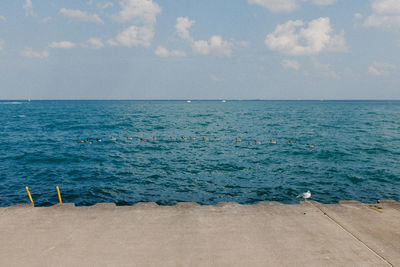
pixel 228 234
pixel 376 225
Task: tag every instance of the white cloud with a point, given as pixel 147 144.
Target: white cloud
pixel 134 36
pixel 216 45
pixel 139 11
pixel 3 18
pixel 142 12
pixel 242 43
pixel 291 64
pixel 62 45
pixel 385 15
pixel 337 43
pixel 182 27
pixel 325 69
pixel 216 78
pixel 1 44
pixel 358 16
pixel 381 69
pixel 161 51
pixel 81 15
pixel 286 6
pixel 277 6
pixel 30 53
pixel 46 19
pixel 105 5
pixel 28 6
pixel 310 40
pixel 323 2
pixel 93 43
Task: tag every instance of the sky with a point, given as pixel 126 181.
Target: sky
pixel 208 49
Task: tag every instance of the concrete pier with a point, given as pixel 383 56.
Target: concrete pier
pixel 228 234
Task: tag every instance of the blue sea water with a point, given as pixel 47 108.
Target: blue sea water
pixel 356 154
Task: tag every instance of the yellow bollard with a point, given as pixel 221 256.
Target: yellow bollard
pixel 59 195
pixel 29 195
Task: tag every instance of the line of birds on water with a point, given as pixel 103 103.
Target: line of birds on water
pixel 184 138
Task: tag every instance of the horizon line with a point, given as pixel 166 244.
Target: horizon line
pixel 193 99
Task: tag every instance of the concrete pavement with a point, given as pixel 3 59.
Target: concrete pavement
pixel 228 234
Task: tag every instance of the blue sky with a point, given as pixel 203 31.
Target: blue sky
pixel 182 49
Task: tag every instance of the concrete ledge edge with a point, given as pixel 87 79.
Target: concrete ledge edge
pixel 195 204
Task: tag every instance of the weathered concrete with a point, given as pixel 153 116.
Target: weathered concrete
pixel 228 234
pixel 376 225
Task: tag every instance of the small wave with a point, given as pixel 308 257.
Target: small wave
pixel 11 103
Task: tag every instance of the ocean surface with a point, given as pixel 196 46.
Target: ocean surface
pixel 356 153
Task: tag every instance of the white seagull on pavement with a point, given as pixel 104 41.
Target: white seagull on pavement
pixel 305 195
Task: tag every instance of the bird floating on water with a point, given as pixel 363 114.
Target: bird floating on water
pixel 272 142
pixel 206 138
pixel 99 139
pixel 81 141
pixel 129 138
pixel 292 142
pixel 113 139
pixel 305 195
pixel 184 138
pixel 310 145
pixel 238 140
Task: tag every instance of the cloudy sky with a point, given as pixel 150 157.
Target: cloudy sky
pixel 208 49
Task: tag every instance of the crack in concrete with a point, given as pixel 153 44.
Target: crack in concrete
pixel 351 234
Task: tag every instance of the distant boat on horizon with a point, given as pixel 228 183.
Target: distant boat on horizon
pixel 223 101
pixel 188 101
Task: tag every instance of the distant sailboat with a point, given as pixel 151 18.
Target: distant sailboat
pixel 223 101
pixel 29 99
pixel 188 101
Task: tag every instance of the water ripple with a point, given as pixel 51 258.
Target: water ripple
pixel 354 157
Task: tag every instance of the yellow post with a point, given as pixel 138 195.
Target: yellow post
pixel 29 195
pixel 59 195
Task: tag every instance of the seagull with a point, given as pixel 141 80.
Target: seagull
pixel 305 195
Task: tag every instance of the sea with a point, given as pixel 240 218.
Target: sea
pixel 207 152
